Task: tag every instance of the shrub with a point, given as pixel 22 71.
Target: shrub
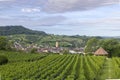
pixel 3 59
pixel 34 50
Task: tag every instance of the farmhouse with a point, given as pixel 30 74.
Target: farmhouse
pixel 100 52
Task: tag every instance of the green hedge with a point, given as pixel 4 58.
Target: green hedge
pixel 3 59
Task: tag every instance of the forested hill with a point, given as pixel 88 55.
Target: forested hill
pixel 11 30
pixel 26 36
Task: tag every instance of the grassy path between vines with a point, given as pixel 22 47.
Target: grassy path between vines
pixel 107 70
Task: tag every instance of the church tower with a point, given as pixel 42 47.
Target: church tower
pixel 57 45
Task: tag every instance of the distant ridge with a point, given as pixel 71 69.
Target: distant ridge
pixel 11 30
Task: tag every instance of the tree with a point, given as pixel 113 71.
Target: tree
pixel 3 43
pixel 92 45
pixel 112 46
pixel 34 50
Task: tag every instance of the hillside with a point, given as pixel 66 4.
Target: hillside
pixel 11 30
pixel 26 36
pixel 49 40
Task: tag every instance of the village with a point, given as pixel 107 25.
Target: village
pixel 58 49
pixel 55 49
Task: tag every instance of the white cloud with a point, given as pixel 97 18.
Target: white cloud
pixel 72 5
pixel 29 10
pixel 5 0
pixel 51 21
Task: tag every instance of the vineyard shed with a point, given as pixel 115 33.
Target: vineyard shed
pixel 100 52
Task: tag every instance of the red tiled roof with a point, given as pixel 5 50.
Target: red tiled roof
pixel 100 51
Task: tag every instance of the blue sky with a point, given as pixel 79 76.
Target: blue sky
pixel 83 17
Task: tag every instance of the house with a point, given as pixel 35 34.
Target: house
pixel 76 50
pixel 101 52
pixel 72 52
pixel 45 50
pixel 56 50
pixel 18 46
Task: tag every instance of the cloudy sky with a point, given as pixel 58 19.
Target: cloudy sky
pixel 69 17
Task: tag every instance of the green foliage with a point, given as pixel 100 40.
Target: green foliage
pixel 21 56
pixel 65 51
pixel 26 36
pixel 58 67
pixel 3 43
pixel 3 60
pixel 48 40
pixel 112 46
pixel 12 30
pixel 34 50
pixel 92 45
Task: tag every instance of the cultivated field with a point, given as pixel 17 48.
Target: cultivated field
pixel 58 67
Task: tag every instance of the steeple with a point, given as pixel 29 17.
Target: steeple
pixel 57 44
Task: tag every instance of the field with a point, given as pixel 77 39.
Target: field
pixel 23 66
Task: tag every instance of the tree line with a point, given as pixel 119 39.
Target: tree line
pixel 112 46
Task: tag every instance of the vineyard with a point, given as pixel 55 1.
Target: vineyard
pixel 58 67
